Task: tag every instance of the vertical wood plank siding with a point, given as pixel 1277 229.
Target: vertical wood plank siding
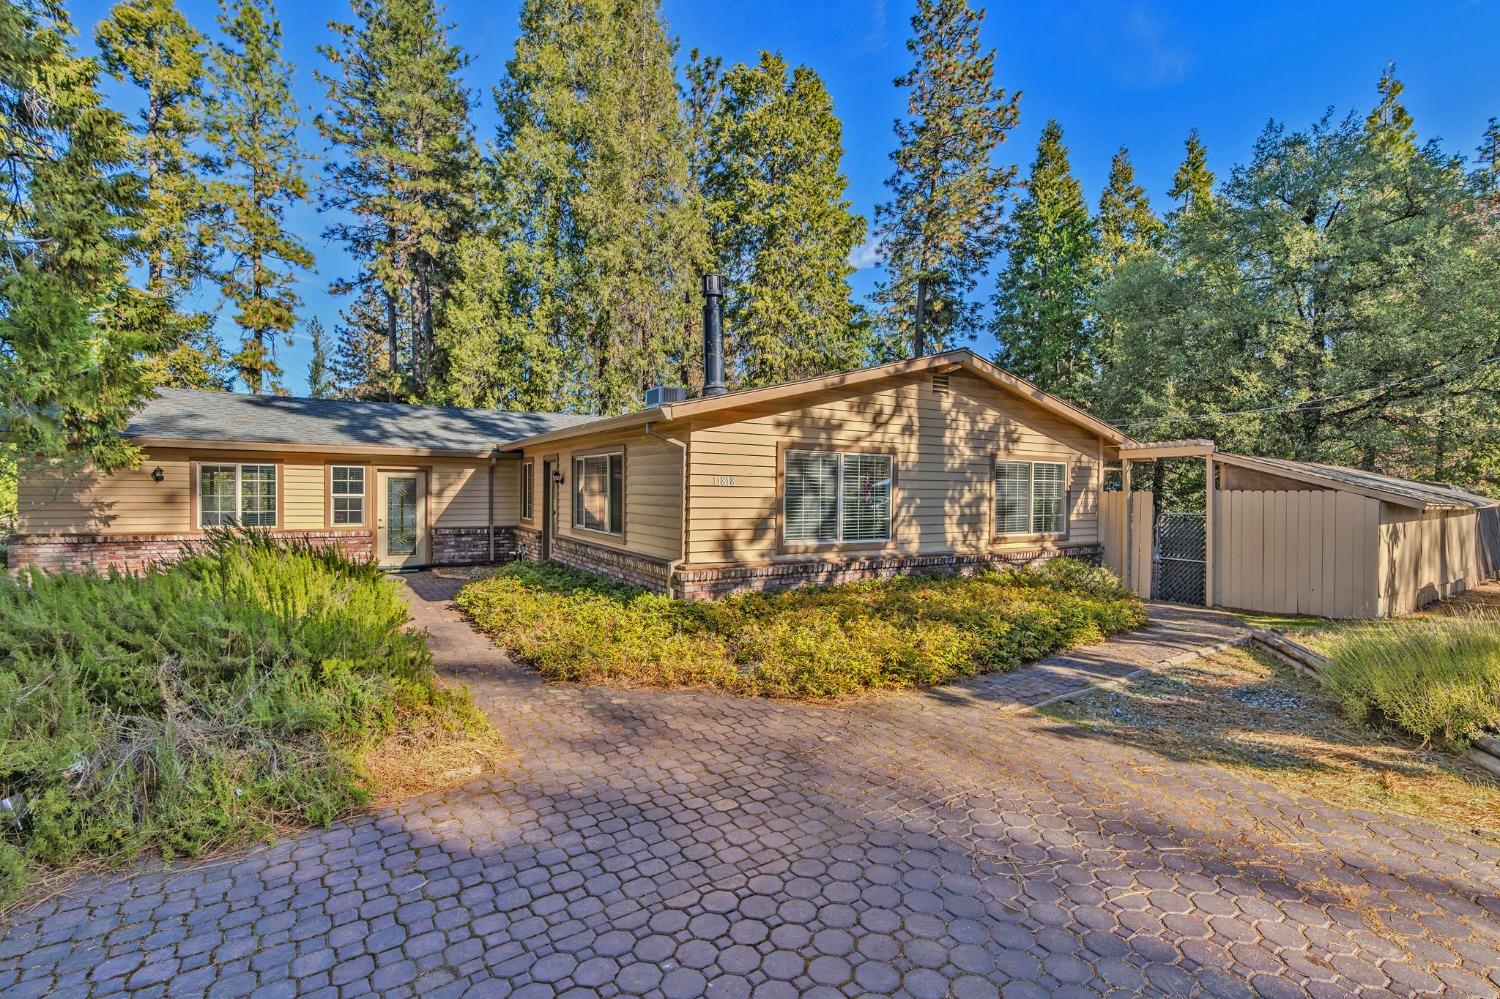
pixel 944 444
pixel 1336 554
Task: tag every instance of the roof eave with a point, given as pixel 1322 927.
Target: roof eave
pixel 657 414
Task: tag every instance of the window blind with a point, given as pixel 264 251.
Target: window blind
pixel 811 496
pixel 866 497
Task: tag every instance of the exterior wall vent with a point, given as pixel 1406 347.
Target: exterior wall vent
pixel 665 395
pixel 940 383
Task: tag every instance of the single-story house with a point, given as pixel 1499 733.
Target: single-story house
pixel 936 464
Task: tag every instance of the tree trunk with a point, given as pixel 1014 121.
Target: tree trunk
pixel 395 341
pixel 919 332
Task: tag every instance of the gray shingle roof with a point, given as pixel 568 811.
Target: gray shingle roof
pixel 193 414
pixel 1421 494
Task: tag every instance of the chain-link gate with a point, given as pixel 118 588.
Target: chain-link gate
pixel 1179 558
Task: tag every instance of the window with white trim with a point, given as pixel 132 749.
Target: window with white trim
pixel 831 496
pixel 528 485
pixel 599 493
pixel 236 494
pixel 1030 497
pixel 348 490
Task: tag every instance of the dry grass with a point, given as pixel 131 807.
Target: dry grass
pixel 410 763
pixel 1244 710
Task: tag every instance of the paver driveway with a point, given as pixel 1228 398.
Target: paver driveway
pixel 923 844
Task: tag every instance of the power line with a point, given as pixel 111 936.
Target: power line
pixel 1314 403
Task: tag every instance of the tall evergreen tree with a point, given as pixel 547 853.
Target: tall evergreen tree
pixel 1193 183
pixel 254 132
pixel 943 223
pixel 149 44
pixel 320 378
pixel 1388 124
pixel 73 333
pixel 596 224
pixel 403 170
pixel 1042 302
pixel 782 225
pixel 361 359
pixel 1125 222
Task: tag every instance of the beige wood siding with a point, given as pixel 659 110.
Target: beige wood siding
pixel 944 444
pixel 1425 556
pixel 653 491
pixel 1127 552
pixel 1298 552
pixel 129 502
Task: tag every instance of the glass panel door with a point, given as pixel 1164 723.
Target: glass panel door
pixel 401 515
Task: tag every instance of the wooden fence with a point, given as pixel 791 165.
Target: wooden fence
pixel 1112 537
pixel 1297 552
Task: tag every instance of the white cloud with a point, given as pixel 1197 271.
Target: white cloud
pixel 1166 62
pixel 867 254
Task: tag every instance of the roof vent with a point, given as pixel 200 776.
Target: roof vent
pixel 665 395
pixel 940 383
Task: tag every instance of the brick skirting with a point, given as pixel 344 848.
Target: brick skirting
pixel 470 545
pixel 528 543
pixel 717 581
pixel 137 552
pixel 638 570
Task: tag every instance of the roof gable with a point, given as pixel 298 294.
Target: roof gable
pixel 789 392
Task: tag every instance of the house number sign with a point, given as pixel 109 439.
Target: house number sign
pixel 723 480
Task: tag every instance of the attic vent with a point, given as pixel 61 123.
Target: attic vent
pixel 940 383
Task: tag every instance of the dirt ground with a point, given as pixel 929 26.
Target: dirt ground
pixel 1247 711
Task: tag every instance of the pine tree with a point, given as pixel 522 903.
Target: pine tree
pixel 73 333
pixel 1041 306
pixel 254 132
pixel 404 171
pixel 1388 125
pixel 943 223
pixel 1193 183
pixel 362 364
pixel 149 44
pixel 782 225
pixel 1125 222
pixel 596 218
pixel 320 382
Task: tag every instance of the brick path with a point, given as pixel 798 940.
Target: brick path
pixel 922 844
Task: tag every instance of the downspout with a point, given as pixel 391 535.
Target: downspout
pixel 490 515
pixel 677 562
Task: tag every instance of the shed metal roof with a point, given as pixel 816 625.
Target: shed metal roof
pixel 1404 492
pixel 202 416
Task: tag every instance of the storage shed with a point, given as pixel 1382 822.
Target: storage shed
pixel 1298 537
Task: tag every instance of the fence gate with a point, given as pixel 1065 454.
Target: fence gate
pixel 1179 558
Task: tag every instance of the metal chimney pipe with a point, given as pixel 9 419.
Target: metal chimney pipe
pixel 713 337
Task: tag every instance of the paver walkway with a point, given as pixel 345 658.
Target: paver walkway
pixel 673 844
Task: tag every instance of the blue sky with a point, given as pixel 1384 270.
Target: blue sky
pixel 1139 73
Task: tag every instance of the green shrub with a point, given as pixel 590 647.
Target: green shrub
pixel 1437 678
pixel 222 698
pixel 812 642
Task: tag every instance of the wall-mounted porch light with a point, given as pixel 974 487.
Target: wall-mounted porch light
pixel 157 475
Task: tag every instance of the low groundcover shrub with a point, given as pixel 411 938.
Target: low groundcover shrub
pixel 811 642
pixel 225 697
pixel 1435 678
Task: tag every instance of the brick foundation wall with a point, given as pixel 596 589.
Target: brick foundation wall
pixel 637 570
pixel 470 545
pixel 528 544
pixel 717 581
pixel 137 552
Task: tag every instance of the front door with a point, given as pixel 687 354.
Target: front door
pixel 549 507
pixel 401 528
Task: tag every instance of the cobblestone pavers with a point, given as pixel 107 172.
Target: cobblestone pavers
pixel 681 844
